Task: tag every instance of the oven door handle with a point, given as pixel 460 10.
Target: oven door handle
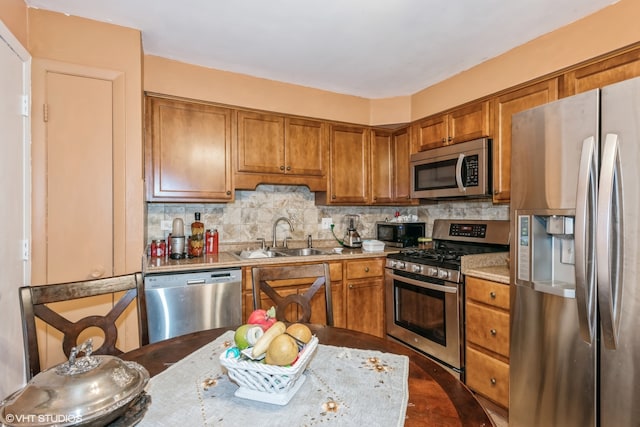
pixel 426 285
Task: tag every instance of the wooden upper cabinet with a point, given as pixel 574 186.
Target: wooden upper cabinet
pixel 431 132
pixel 381 166
pixel 504 107
pixel 463 124
pixel 390 173
pixel 348 181
pixel 305 147
pixel 260 143
pixel 188 151
pixel 470 122
pixel 602 73
pixel 280 150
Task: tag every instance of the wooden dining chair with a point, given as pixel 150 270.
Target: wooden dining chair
pixel 317 275
pixel 35 302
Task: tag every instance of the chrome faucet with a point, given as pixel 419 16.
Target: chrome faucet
pixel 275 228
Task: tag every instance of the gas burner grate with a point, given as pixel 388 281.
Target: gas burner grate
pixel 434 254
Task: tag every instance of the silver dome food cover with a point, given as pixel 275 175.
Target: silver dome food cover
pixel 88 390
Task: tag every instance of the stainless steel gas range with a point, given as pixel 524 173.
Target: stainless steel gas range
pixel 424 288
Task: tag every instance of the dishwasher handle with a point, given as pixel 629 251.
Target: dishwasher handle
pixel 196 282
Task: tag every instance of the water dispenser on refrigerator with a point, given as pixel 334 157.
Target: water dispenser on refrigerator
pixel 545 253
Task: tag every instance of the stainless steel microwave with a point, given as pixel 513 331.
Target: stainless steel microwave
pixel 399 234
pixel 454 171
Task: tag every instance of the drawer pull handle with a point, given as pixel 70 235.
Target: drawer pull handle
pixel 493 381
pixel 350 286
pixel 492 294
pixel 366 269
pixel 493 332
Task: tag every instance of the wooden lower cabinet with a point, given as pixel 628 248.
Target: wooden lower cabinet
pixel 487 339
pixel 364 296
pixel 318 306
pixel 357 292
pixel 488 376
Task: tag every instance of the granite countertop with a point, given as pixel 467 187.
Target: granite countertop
pixel 491 266
pixel 226 259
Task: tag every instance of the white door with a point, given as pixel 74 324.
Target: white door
pixel 15 174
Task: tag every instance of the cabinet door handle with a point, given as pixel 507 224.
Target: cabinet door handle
pixel 493 381
pixel 366 269
pixel 350 286
pixel 492 295
pixel 333 196
pixel 228 193
pixel 281 167
pixel 450 139
pixel 493 332
pixel 444 140
pixel 288 168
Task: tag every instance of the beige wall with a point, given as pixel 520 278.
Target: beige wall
pixel 170 77
pixel 577 42
pixel 14 15
pixel 54 36
pixel 605 31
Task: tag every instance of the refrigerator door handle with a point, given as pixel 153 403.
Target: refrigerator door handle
pixel 459 183
pixel 609 238
pixel 585 229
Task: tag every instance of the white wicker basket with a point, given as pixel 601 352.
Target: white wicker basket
pixel 265 378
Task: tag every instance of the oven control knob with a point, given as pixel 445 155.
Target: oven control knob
pixel 443 274
pixel 416 268
pixel 392 263
pixel 401 265
pixel 433 272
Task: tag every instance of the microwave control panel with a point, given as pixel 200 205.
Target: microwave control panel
pixel 471 171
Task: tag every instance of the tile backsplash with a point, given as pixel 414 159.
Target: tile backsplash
pixel 252 214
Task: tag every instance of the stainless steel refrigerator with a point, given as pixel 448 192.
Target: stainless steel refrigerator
pixel 575 302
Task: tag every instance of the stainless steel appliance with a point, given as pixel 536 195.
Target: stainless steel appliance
pixel 575 207
pixel 352 237
pixel 425 289
pixel 180 303
pixel 399 234
pixel 454 171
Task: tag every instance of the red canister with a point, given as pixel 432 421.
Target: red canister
pixel 209 242
pixel 158 248
pixel 215 241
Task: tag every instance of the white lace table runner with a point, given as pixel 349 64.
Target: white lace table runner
pixel 344 387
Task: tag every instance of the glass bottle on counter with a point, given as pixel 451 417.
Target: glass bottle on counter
pixel 196 242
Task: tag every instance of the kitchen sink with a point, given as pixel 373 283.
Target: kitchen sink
pixel 257 254
pixel 300 251
pixel 280 252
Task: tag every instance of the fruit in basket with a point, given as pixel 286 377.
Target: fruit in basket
pixel 247 335
pixel 262 317
pixel 263 342
pixel 282 351
pixel 300 332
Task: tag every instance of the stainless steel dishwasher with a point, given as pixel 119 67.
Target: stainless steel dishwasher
pixel 184 302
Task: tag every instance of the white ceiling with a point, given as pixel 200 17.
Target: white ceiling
pixel 368 48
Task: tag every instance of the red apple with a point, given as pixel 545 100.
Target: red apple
pixel 263 318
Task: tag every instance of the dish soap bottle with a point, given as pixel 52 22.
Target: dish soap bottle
pixel 197 236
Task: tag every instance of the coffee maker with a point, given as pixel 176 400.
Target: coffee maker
pixel 351 237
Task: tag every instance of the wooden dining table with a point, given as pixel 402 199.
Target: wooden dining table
pixel 436 397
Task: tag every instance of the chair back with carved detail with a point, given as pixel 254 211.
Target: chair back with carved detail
pixel 290 298
pixel 35 303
